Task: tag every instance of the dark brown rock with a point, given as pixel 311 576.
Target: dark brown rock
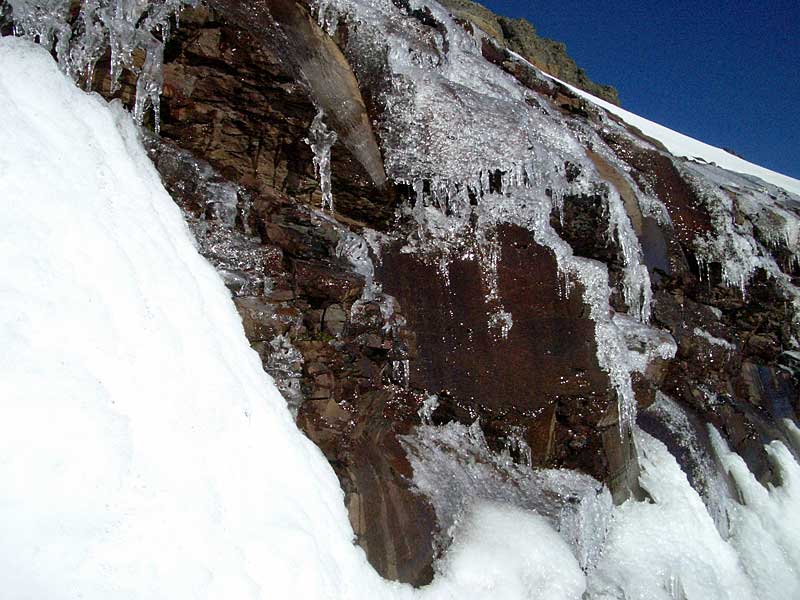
pixel 547 367
pixel 232 101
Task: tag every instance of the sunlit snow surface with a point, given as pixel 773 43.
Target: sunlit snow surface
pixel 145 454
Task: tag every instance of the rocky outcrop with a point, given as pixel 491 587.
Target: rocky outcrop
pixel 520 36
pixel 372 326
pixel 316 61
pixel 301 300
pixel 358 363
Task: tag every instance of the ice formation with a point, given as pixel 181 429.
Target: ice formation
pixel 706 478
pixel 321 139
pixel 454 469
pixel 221 205
pixel 144 452
pixel 713 340
pixel 125 27
pixel 729 186
pixel 488 157
pixel 684 146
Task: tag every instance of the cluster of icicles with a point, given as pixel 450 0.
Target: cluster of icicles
pixel 451 225
pixel 133 32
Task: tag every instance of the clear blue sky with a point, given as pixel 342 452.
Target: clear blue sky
pixel 727 73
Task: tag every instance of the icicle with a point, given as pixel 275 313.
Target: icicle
pixel 401 372
pixel 149 85
pixel 429 406
pixel 515 444
pixel 43 22
pixel 321 139
pixel 118 26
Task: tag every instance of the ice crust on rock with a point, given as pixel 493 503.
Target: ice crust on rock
pixel 713 340
pixel 683 146
pixel 454 468
pixel 222 205
pixel 480 151
pixel 764 527
pixel 770 201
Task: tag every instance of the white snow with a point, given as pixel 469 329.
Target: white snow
pixel 668 548
pixel 683 145
pixel 143 451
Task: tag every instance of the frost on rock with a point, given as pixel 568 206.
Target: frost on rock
pixel 752 223
pixel 217 212
pixel 713 340
pixel 221 205
pixel 124 28
pixel 429 406
pixel 771 217
pixel 321 139
pixel 285 365
pixel 357 250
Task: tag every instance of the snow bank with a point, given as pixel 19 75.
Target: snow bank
pixel 683 145
pixel 669 548
pixel 143 451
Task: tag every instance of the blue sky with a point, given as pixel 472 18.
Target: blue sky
pixel 727 73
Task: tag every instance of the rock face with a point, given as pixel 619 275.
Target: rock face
pixel 521 37
pixel 370 330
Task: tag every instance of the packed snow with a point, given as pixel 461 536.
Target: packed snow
pixel 144 453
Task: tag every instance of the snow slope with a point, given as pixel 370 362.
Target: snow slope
pixel 145 454
pixel 683 145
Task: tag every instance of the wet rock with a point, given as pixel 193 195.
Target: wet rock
pixel 547 366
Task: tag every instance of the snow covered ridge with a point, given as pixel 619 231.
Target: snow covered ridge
pixel 683 145
pixel 145 454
